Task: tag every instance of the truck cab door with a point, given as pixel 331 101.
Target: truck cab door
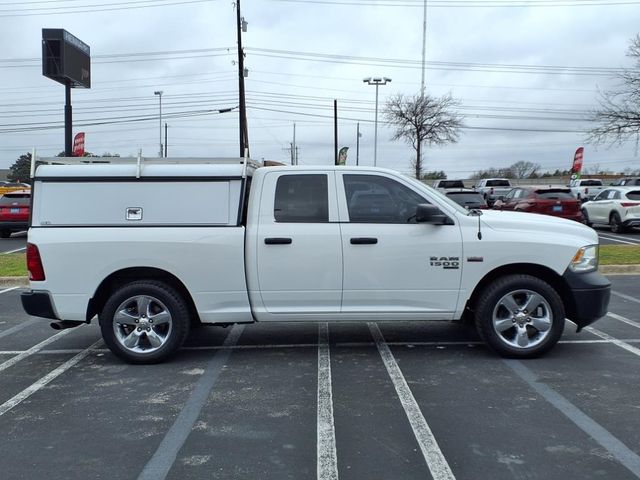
pixel 297 246
pixel 394 266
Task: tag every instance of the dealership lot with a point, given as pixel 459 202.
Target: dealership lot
pixel 349 401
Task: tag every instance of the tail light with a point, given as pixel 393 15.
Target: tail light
pixel 34 263
pixel 586 190
pixel 491 191
pixel 629 204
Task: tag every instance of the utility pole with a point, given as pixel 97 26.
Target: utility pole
pixel 159 93
pixel 424 45
pixel 358 145
pixel 294 148
pixel 335 132
pixel 241 26
pixel 166 145
pixel 377 82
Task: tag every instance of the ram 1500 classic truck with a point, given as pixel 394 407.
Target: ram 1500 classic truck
pixel 585 189
pixel 493 188
pixel 153 246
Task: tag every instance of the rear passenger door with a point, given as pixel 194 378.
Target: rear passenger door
pixel 299 252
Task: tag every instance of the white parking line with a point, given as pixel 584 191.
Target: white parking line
pixel 14 251
pixel 33 388
pixel 32 350
pixel 623 319
pixel 434 457
pixel 8 289
pixel 615 341
pixel 157 468
pixel 18 327
pixel 615 239
pixel 326 444
pixel 618 450
pixel 626 297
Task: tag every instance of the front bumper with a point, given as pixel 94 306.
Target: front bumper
pixel 589 297
pixel 38 304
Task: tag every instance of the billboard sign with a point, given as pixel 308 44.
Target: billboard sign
pixel 65 58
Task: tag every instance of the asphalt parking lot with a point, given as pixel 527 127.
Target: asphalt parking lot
pixel 348 401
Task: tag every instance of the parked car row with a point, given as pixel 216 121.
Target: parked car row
pixel 14 212
pixel 615 206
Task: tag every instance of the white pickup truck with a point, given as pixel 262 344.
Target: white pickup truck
pixel 493 188
pixel 585 189
pixel 153 246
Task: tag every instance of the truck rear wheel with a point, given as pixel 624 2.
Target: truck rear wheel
pixel 144 322
pixel 520 316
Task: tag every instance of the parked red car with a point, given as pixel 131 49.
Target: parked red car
pixel 556 201
pixel 14 212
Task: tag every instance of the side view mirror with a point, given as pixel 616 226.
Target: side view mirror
pixel 427 213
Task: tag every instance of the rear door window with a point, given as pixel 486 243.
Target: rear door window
pixel 302 199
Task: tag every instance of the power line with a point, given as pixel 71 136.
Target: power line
pixel 469 3
pixel 29 12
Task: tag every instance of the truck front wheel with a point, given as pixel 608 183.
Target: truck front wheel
pixel 520 316
pixel 144 322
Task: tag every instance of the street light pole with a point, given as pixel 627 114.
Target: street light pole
pixel 377 82
pixel 159 93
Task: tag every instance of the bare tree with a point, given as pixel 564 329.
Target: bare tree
pixel 524 169
pixel 618 118
pixel 423 120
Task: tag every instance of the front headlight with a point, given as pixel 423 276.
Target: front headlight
pixel 585 259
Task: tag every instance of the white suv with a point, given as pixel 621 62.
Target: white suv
pixel 618 207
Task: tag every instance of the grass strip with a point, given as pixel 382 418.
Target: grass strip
pixel 619 254
pixel 13 265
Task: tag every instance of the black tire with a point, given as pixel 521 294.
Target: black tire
pixel 5 233
pixel 128 327
pixel 586 218
pixel 517 332
pixel 616 223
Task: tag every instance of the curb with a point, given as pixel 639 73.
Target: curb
pixel 8 282
pixel 619 269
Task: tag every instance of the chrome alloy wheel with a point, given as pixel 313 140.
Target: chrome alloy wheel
pixel 522 318
pixel 142 324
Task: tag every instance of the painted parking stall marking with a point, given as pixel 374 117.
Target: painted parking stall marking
pixel 619 450
pixel 615 341
pixel 626 297
pixel 434 457
pixel 33 388
pixel 159 465
pixel 32 350
pixel 623 319
pixel 327 456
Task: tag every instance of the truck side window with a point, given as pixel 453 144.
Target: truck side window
pixel 376 199
pixel 302 199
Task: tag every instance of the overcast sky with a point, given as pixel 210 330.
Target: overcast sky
pixel 526 73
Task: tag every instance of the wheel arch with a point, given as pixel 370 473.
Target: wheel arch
pixel 121 277
pixel 539 271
